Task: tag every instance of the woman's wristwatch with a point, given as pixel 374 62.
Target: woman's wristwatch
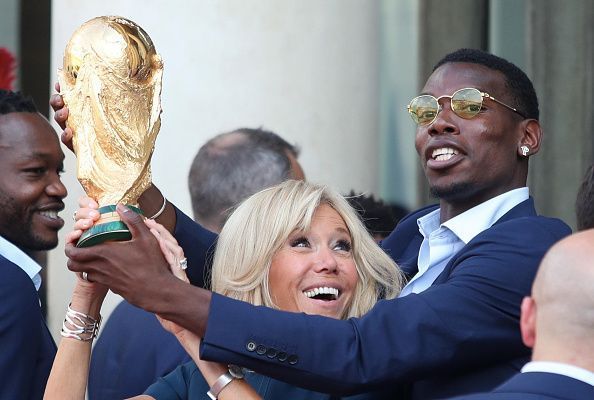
pixel 222 381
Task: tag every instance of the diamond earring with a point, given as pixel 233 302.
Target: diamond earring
pixel 525 150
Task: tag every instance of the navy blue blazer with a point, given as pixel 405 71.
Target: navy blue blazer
pixel 131 353
pixel 27 349
pixel 537 386
pixel 459 336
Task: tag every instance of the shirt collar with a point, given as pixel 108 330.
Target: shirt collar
pixel 475 220
pixel 429 223
pixel 569 370
pixel 15 255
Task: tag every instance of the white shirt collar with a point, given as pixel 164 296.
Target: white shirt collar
pixel 569 370
pixel 15 255
pixel 477 219
pixel 429 223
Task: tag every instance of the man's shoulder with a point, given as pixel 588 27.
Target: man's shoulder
pixel 530 227
pixel 541 385
pixel 512 247
pixel 15 284
pixel 19 304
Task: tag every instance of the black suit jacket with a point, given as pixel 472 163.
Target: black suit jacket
pixel 27 349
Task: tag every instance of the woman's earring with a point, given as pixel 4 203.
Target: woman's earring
pixel 525 150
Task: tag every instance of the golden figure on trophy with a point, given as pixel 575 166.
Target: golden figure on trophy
pixel 111 83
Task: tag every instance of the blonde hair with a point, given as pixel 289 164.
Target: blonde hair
pixel 262 223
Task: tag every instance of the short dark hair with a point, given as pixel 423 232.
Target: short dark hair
pixel 232 166
pixel 517 81
pixel 15 102
pixel 584 205
pixel 379 218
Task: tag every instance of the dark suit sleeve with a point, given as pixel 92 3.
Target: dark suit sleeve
pixel 198 244
pixel 468 318
pixel 20 334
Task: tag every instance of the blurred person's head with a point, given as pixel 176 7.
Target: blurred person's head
pixel 301 247
pixel 584 205
pixel 31 162
pixel 379 217
pixel 234 165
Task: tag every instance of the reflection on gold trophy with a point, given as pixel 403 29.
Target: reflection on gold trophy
pixel 111 83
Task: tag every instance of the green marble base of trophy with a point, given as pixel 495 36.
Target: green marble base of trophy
pixel 109 227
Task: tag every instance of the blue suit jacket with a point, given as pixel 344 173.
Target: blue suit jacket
pixel 132 351
pixel 537 386
pixel 459 336
pixel 27 349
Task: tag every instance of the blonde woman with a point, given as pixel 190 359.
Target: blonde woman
pixel 298 247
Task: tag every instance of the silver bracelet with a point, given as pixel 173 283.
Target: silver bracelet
pixel 158 213
pixel 222 381
pixel 79 326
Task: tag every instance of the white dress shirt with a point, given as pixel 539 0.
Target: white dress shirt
pixel 442 241
pixel 20 258
pixel 560 369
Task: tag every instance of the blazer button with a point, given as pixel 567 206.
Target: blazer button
pixel 261 349
pixel 250 346
pixel 293 359
pixel 282 356
pixel 271 353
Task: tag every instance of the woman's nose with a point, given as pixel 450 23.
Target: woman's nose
pixel 327 261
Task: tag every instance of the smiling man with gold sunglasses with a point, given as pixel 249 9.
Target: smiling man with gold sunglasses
pixel 470 260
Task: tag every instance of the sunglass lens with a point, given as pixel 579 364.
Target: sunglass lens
pixel 423 109
pixel 467 103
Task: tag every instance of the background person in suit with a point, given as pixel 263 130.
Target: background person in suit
pixel 226 170
pixel 558 324
pixel 31 194
pixel 470 260
pixel 584 205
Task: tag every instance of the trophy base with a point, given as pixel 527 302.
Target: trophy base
pixel 108 227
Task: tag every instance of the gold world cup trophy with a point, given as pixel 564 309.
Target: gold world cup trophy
pixel 111 83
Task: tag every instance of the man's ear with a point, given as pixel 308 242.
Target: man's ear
pixel 528 321
pixel 531 136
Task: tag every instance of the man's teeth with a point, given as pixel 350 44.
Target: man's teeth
pixel 443 154
pixel 49 214
pixel 322 290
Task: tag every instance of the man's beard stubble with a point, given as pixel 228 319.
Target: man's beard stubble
pixel 456 191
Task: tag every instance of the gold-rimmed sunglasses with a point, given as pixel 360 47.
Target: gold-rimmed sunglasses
pixel 465 103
